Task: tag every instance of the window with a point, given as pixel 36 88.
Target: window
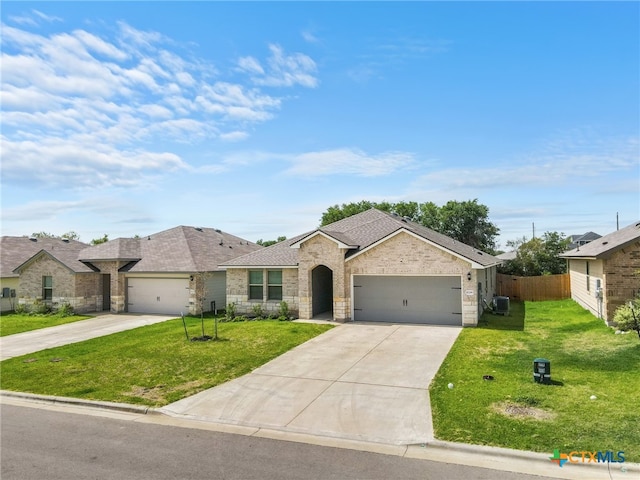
pixel 274 285
pixel 255 284
pixel 47 287
pixel 588 280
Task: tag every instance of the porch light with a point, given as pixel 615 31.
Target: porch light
pixel 469 276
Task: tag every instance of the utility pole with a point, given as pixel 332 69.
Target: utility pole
pixel 617 222
pixel 533 227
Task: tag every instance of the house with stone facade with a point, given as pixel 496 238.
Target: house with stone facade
pixel 605 273
pixel 30 267
pixel 171 272
pixel 374 267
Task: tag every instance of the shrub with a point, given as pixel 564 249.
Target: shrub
pixel 230 312
pixel 22 309
pixel 40 308
pixel 258 311
pixel 283 311
pixel 627 316
pixel 65 310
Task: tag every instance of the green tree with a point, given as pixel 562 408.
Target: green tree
pixel 468 222
pixel 268 243
pixel 98 241
pixel 538 256
pixel 70 235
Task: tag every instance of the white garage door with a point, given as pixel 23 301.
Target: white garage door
pixel 432 300
pixel 158 295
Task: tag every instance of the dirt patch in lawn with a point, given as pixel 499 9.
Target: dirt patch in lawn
pixel 516 410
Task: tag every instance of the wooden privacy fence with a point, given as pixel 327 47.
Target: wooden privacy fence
pixel 546 287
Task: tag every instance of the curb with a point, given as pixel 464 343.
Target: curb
pixel 54 400
pixel 483 456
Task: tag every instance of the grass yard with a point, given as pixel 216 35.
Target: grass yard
pixel 12 323
pixel 512 411
pixel 154 365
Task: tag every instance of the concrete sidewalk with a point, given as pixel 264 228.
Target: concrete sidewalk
pixel 101 325
pixel 358 382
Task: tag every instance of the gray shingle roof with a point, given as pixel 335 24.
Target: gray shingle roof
pixel 180 249
pixel 604 246
pixel 16 251
pixel 361 230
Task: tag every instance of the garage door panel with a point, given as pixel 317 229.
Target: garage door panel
pixel 158 295
pixel 410 299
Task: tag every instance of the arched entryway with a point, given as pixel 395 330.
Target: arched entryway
pixel 322 291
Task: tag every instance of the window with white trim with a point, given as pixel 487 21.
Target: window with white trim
pixel 274 285
pixel 47 287
pixel 255 284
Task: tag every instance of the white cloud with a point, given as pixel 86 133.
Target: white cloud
pixel 562 160
pixel 348 161
pixel 282 70
pixel 76 105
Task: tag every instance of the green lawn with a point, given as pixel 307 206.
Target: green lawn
pixel 154 365
pixel 12 323
pixel 587 359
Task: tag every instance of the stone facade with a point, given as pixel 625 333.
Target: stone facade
pixel 402 254
pixel 238 291
pixel 76 289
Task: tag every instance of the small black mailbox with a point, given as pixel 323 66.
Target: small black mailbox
pixel 541 370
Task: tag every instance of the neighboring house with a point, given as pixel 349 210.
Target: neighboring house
pixel 508 256
pixel 172 272
pixel 605 273
pixel 30 267
pixel 576 241
pixel 166 272
pixel 372 266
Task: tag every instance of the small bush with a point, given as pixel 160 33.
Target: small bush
pixel 283 311
pixel 230 312
pixel 22 309
pixel 40 308
pixel 627 316
pixel 65 310
pixel 258 311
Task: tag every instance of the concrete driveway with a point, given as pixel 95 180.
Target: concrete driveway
pixel 103 324
pixel 357 381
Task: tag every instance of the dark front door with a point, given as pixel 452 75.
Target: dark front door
pixel 106 292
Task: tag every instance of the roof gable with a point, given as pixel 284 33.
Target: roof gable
pixel 179 249
pixel 358 233
pixel 17 251
pixel 606 245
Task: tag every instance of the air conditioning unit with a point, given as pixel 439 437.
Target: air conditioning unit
pixel 501 305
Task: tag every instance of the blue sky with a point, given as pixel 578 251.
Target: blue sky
pixel 131 118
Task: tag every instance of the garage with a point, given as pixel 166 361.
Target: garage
pixel 158 295
pixel 407 299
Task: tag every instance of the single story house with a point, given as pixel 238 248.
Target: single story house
pixel 171 272
pixel 28 266
pixel 372 266
pixel 605 273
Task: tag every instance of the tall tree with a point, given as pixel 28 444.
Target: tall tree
pixel 538 256
pixel 268 243
pixel 98 241
pixel 468 222
pixel 70 235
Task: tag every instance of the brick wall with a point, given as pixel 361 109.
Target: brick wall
pixel 405 254
pixel 621 278
pixel 322 251
pixel 78 290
